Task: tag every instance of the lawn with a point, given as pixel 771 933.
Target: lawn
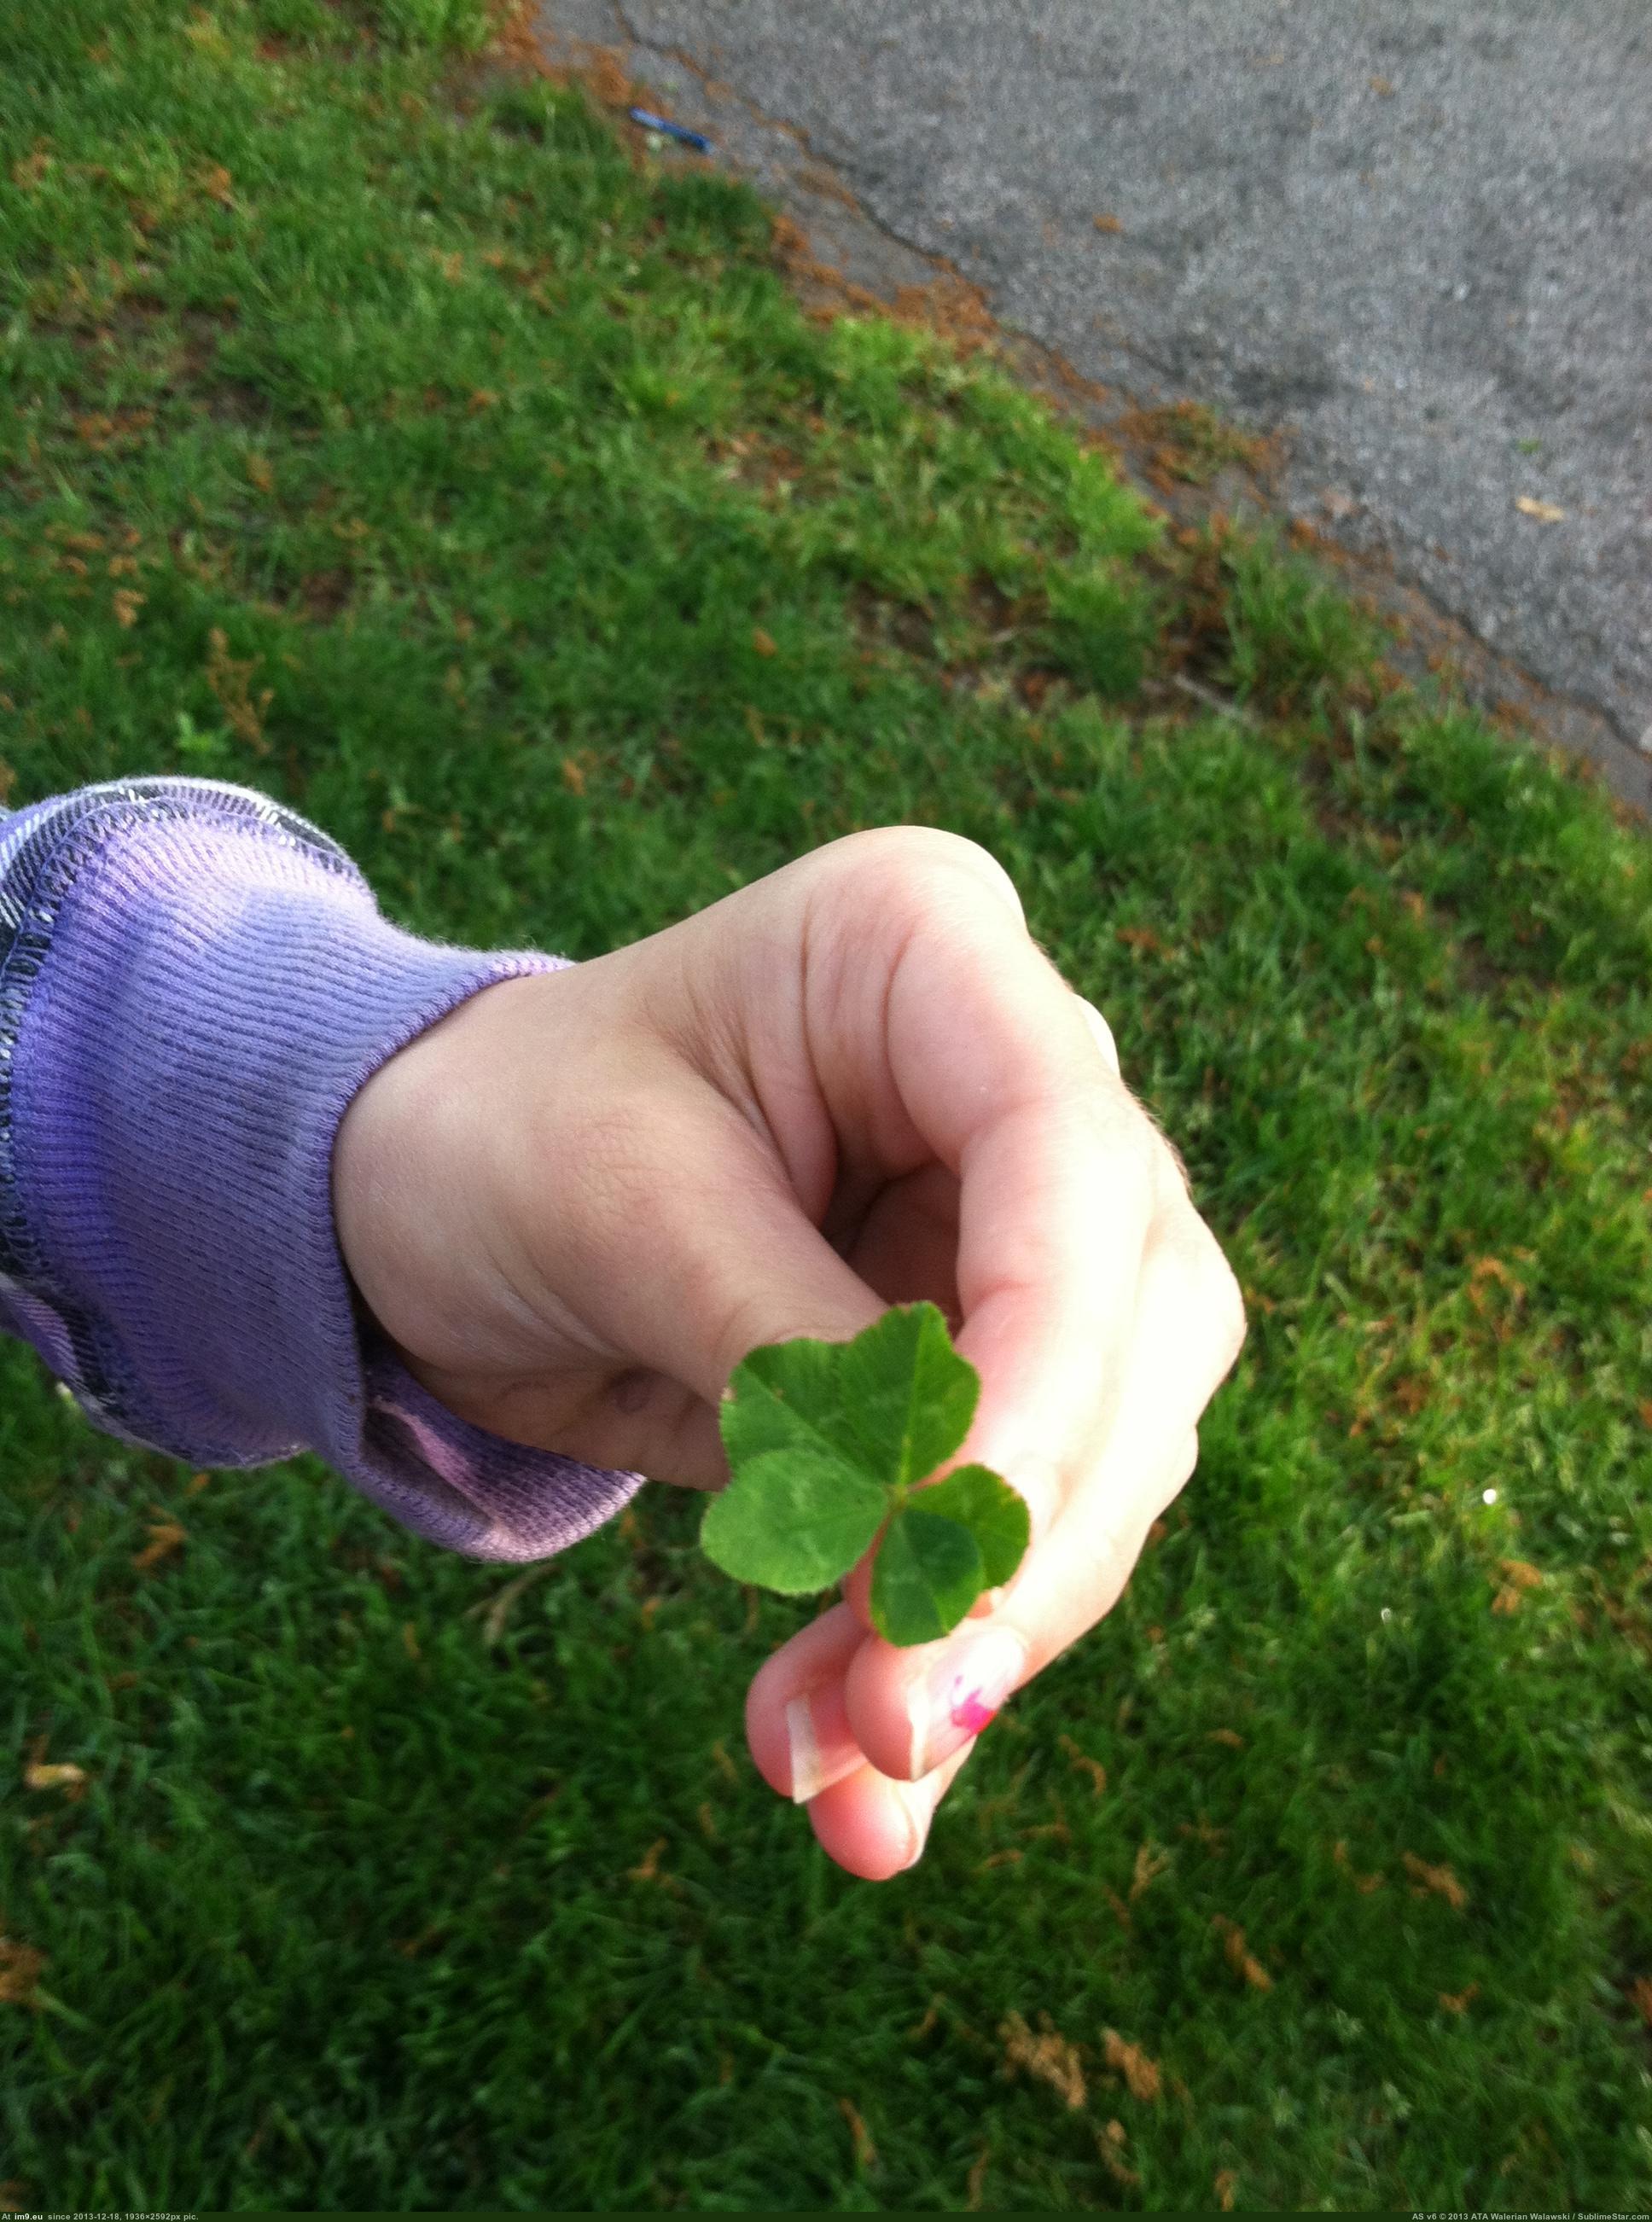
pixel 383 429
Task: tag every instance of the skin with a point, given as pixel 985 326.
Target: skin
pixel 578 1202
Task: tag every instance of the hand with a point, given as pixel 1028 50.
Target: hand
pixel 578 1201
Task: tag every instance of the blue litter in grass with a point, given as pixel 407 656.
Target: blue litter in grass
pixel 671 130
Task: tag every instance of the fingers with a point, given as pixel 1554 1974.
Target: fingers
pixel 798 1732
pixel 871 1733
pixel 966 1045
pixel 796 1724
pixel 874 1828
pixel 1096 1307
pixel 908 1707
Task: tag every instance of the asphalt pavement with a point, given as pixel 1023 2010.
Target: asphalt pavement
pixel 1413 241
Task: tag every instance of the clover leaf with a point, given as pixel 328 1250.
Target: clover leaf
pixel 828 1442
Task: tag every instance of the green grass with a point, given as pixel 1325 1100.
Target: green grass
pixel 480 490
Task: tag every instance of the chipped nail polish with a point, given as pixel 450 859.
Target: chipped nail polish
pixel 961 1694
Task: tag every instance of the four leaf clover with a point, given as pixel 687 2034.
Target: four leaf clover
pixel 829 1441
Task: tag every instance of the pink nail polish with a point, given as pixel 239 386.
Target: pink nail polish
pixel 972 1716
pixel 962 1694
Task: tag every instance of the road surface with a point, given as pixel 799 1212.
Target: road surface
pixel 1412 239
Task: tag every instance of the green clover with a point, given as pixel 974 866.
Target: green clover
pixel 827 1441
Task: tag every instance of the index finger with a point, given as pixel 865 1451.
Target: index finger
pixel 988 1057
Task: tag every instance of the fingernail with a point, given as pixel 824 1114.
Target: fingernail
pixel 960 1694
pixel 920 1811
pixel 823 1747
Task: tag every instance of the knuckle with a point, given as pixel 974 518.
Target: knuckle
pixel 1225 1301
pixel 1150 1155
pixel 911 856
pixel 1174 1182
pixel 1215 1305
pixel 1139 1145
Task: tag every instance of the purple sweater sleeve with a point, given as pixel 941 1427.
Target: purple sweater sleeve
pixel 194 983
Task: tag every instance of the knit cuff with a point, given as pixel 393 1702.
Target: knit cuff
pixel 194 984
